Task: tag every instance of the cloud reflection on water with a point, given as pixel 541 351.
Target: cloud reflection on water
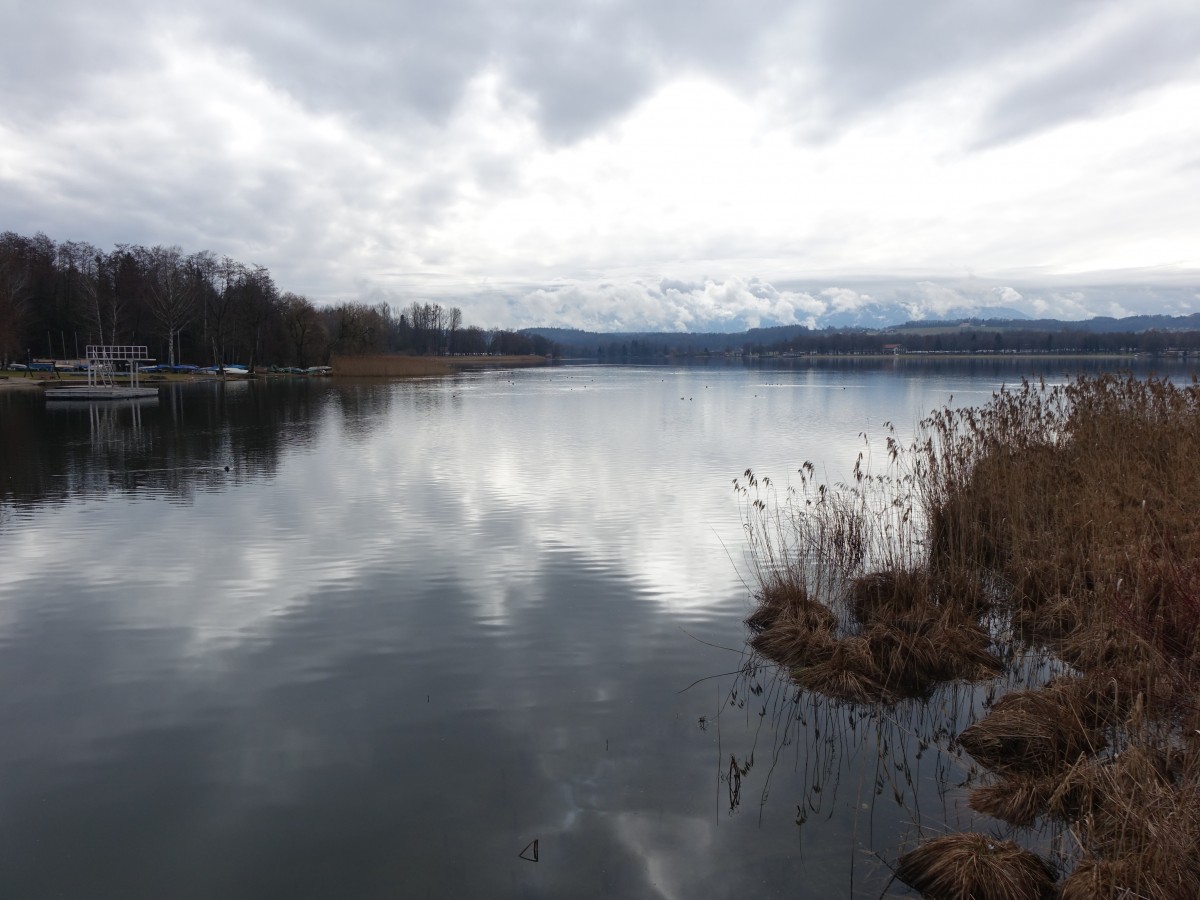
pixel 414 627
pixel 486 477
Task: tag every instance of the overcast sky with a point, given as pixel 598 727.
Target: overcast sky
pixel 626 163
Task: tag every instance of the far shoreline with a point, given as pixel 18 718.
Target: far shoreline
pixel 398 366
pixel 392 366
pixel 366 367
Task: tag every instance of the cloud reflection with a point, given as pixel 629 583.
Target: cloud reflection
pixel 416 626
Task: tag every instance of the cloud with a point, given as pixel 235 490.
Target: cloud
pixel 856 58
pixel 1109 62
pixel 733 304
pixel 845 300
pixel 488 145
pixel 737 304
pixel 403 64
pixel 581 67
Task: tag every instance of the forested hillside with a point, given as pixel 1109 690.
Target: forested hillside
pixel 56 298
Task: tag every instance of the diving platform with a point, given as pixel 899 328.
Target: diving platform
pixel 105 364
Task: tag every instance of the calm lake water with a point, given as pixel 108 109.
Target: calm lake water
pixel 317 639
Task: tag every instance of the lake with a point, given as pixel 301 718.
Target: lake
pixel 329 639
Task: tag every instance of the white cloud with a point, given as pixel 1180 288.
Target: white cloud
pixel 1006 296
pixel 733 304
pixel 468 148
pixel 845 300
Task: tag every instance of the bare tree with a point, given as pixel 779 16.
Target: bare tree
pixel 454 320
pixel 82 264
pixel 428 322
pixel 202 275
pixel 257 303
pixel 357 328
pixel 216 283
pixel 172 292
pixel 123 288
pixel 303 325
pixel 472 340
pixel 16 287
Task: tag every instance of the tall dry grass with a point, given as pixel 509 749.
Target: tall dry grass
pixel 396 366
pixel 388 366
pixel 1064 517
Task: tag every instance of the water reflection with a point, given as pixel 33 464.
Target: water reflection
pixel 173 446
pixel 351 747
pixel 417 626
pixel 868 780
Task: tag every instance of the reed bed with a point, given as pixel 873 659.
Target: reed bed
pixel 397 366
pixel 1060 518
pixel 388 366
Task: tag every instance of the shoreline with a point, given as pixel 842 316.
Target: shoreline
pixel 933 356
pixel 347 368
pixel 396 366
pixel 19 383
pixel 1102 736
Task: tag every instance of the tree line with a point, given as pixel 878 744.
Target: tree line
pixel 1046 336
pixel 982 339
pixel 56 298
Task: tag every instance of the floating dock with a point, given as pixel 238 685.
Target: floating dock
pixel 87 392
pixel 105 363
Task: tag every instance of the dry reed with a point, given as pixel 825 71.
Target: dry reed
pixel 1073 512
pixel 1144 876
pixel 1017 799
pixel 976 867
pixel 1032 732
pixel 397 366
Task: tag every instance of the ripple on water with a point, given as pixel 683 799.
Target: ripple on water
pixel 416 626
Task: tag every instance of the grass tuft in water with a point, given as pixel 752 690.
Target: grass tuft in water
pixel 976 866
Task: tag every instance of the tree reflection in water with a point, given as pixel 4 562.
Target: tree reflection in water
pixel 181 443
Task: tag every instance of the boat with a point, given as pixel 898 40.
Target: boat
pixel 231 370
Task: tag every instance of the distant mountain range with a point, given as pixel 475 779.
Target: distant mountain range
pixel 872 321
pixel 886 315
